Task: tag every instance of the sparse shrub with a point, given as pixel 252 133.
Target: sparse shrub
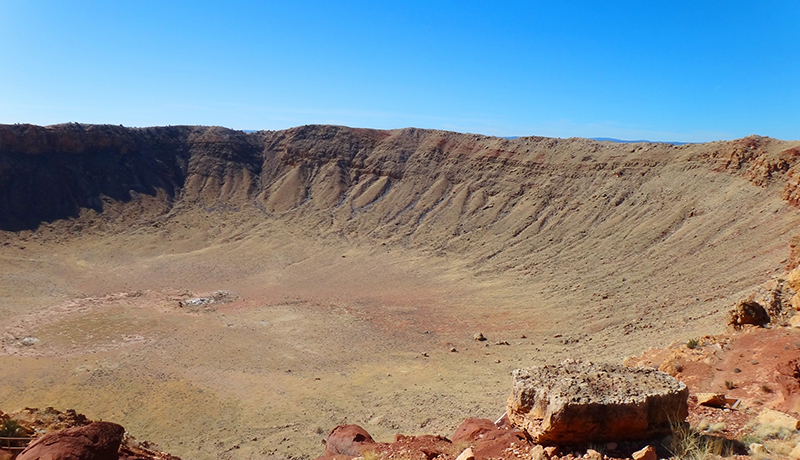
pixel 598 447
pixel 11 429
pixel 717 428
pixel 692 344
pixel 767 431
pixel 687 444
pixel 776 439
pixel 370 455
pixel 750 438
pixel 456 448
pixel 703 425
pixel 766 389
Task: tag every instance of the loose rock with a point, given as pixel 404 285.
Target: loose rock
pixel 795 453
pixel 648 453
pixel 349 440
pixel 793 280
pixel 466 455
pixel 748 312
pixel 796 301
pixel 551 450
pixel 592 454
pixel 486 439
pixel 579 402
pixel 538 453
pixel 711 399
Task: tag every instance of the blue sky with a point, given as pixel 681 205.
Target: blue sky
pixel 659 70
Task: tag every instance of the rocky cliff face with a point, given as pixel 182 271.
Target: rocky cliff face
pixel 52 173
pixel 49 173
pixel 488 196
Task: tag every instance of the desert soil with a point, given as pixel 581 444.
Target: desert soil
pixel 339 322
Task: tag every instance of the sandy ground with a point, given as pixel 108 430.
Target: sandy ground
pixel 317 333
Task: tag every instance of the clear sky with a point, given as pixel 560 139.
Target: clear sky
pixel 646 69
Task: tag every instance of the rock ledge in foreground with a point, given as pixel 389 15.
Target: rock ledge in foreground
pixel 95 441
pixel 579 402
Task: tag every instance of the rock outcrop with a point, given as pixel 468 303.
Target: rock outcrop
pixel 748 312
pixel 70 435
pixel 49 419
pixel 487 440
pixel 349 440
pixel 579 402
pixel 96 441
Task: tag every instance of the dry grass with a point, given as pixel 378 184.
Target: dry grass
pixel 370 455
pixel 688 444
pixel 778 440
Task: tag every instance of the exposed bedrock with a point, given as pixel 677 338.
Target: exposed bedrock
pixel 521 207
pixel 96 441
pixel 399 177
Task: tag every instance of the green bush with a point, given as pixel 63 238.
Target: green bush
pixel 11 429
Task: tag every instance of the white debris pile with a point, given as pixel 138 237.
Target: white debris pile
pixel 217 297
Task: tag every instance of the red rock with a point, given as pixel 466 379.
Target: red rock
pixel 424 447
pixel 487 440
pixel 473 429
pixel 141 453
pixel 349 440
pixel 96 441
